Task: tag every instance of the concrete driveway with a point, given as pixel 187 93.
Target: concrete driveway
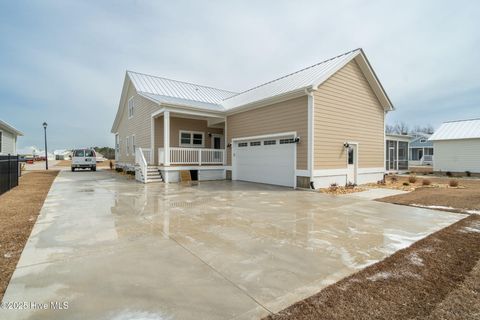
pixel 113 248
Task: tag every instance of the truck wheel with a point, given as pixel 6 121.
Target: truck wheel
pixel 73 169
pixel 94 168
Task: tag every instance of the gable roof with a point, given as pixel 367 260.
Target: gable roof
pixel 163 90
pixel 10 128
pixel 461 129
pixel 167 88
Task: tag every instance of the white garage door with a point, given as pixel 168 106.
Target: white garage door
pixel 266 160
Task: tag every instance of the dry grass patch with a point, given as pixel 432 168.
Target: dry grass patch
pixel 19 209
pixel 463 198
pixel 437 277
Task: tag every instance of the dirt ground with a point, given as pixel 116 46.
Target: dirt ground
pixel 464 198
pixel 437 277
pixel 19 209
pixel 104 164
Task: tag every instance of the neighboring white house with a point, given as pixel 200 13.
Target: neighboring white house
pixel 62 154
pixel 8 138
pixel 457 146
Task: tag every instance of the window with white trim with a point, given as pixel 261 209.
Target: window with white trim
pixel 255 143
pixel 269 142
pixel 423 140
pixel 243 144
pixel 131 107
pixel 192 139
pixel 127 147
pixel 133 143
pixel 285 141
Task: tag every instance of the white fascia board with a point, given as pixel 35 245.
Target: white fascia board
pixel 373 80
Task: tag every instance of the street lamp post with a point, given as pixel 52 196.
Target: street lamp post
pixel 45 133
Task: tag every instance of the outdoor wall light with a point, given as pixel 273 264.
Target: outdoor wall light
pixel 297 139
pixel 229 145
pixel 346 145
pixel 209 134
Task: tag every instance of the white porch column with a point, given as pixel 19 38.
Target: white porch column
pixel 397 153
pixel 166 137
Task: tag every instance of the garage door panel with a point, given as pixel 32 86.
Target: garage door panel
pixel 272 164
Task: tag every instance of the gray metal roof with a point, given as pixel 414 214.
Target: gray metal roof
pixel 164 87
pixel 168 91
pixel 453 130
pixel 183 102
pixel 308 77
pixel 10 128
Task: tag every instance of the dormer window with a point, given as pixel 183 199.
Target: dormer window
pixel 423 140
pixel 131 106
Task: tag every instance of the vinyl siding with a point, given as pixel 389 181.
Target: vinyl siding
pixel 346 109
pixel 8 143
pixel 286 116
pixel 177 124
pixel 139 125
pixel 457 155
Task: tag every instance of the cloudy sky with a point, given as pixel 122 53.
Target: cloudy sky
pixel 64 61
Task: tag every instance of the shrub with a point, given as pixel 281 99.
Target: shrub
pixel 426 182
pixel 381 182
pixel 448 174
pixel 350 185
pixel 119 169
pixel 453 183
pixel 412 179
pixel 333 186
pixel 131 172
pixel 394 178
pixel 406 183
pixel 468 173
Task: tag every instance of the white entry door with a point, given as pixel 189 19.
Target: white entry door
pixel 267 160
pixel 352 164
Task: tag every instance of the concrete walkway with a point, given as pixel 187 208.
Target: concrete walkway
pixel 106 247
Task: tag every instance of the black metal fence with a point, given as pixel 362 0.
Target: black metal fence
pixel 9 173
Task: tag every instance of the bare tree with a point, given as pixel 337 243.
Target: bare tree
pixel 402 128
pixel 389 128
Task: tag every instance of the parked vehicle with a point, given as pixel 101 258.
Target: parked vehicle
pixel 84 158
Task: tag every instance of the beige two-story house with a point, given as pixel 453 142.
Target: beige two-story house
pixel 320 125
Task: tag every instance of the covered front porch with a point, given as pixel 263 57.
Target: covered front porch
pixel 184 140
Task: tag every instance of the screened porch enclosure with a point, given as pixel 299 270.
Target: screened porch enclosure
pixel 396 155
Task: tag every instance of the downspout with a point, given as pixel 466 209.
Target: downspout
pixel 310 153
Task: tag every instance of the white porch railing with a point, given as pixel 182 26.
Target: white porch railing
pixel 196 156
pixel 142 163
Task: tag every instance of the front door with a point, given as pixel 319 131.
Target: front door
pixel 217 142
pixel 391 159
pixel 352 164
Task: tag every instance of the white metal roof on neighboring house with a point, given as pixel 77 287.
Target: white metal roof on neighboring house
pixel 454 130
pixel 310 76
pixel 182 102
pixel 167 88
pixel 10 128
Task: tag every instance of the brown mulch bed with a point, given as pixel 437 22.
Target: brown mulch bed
pixel 437 277
pixel 465 197
pixel 19 209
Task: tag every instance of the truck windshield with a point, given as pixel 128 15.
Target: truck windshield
pixel 79 153
pixel 89 153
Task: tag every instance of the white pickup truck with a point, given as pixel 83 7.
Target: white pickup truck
pixel 84 158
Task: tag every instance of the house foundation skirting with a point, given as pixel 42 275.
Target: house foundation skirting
pixel 324 178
